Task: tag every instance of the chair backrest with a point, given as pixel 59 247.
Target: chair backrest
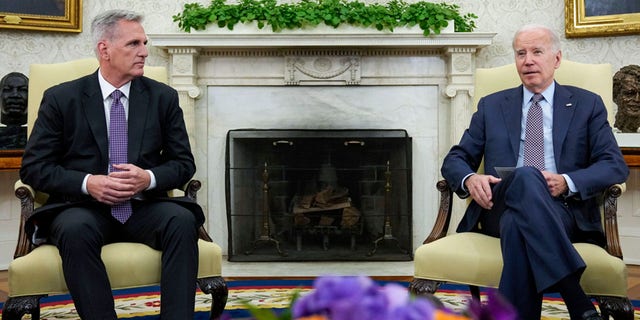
pixel 44 76
pixel 597 78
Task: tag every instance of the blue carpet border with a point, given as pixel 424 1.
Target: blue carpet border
pixel 268 283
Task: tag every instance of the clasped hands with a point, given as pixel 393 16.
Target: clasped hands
pixel 118 186
pixel 479 187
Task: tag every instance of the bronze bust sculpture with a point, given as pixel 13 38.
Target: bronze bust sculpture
pixel 13 106
pixel 626 94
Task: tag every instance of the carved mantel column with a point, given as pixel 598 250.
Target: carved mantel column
pixel 183 77
pixel 461 65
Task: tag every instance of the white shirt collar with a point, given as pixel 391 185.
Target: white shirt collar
pixel 107 88
pixel 547 94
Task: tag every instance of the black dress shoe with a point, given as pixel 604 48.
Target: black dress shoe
pixel 591 315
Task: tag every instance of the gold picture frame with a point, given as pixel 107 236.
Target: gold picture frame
pixel 583 19
pixel 42 15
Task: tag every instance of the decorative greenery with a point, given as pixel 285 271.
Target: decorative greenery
pixel 431 17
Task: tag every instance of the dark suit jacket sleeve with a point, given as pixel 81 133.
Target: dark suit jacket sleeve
pixel 465 158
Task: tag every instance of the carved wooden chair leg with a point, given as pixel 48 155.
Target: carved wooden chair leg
pixel 421 287
pixel 217 288
pixel 617 307
pixel 426 288
pixel 15 308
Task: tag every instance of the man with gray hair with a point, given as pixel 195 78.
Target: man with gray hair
pixel 106 148
pixel 563 154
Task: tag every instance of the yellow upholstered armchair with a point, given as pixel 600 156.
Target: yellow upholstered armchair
pixel 36 272
pixel 475 259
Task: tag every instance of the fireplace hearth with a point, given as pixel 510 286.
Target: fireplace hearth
pixel 318 195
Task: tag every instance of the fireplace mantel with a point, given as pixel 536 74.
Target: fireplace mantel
pixel 183 48
pixel 457 48
pixel 301 39
pixel 323 79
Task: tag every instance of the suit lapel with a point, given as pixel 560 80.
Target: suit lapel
pixel 564 106
pixel 512 112
pixel 138 108
pixel 94 112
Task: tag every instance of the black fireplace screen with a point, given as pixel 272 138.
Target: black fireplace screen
pixel 318 195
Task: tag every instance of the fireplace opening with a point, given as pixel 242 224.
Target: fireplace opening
pixel 318 195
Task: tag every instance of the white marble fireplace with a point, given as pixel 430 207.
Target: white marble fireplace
pixel 323 80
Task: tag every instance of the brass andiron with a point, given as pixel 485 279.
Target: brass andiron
pixel 265 235
pixel 388 231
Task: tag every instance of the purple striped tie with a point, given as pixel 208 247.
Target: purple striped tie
pixel 534 135
pixel 118 149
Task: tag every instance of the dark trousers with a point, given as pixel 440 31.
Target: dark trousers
pixel 535 231
pixel 80 232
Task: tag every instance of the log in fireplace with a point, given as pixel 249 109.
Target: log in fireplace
pixel 318 195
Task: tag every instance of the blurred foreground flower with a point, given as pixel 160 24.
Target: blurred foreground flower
pixel 359 297
pixel 497 308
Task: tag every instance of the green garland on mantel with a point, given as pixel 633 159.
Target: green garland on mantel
pixel 431 17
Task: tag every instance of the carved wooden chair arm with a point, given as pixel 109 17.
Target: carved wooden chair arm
pixel 190 190
pixel 610 217
pixel 443 219
pixel 26 194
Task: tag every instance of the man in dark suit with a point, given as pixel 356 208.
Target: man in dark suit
pixel 541 207
pixel 71 156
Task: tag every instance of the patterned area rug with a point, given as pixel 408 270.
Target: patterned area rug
pixel 144 303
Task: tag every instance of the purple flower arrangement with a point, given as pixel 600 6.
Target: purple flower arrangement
pixel 359 297
pixel 347 298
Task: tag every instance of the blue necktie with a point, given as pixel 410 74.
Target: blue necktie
pixel 534 135
pixel 118 149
